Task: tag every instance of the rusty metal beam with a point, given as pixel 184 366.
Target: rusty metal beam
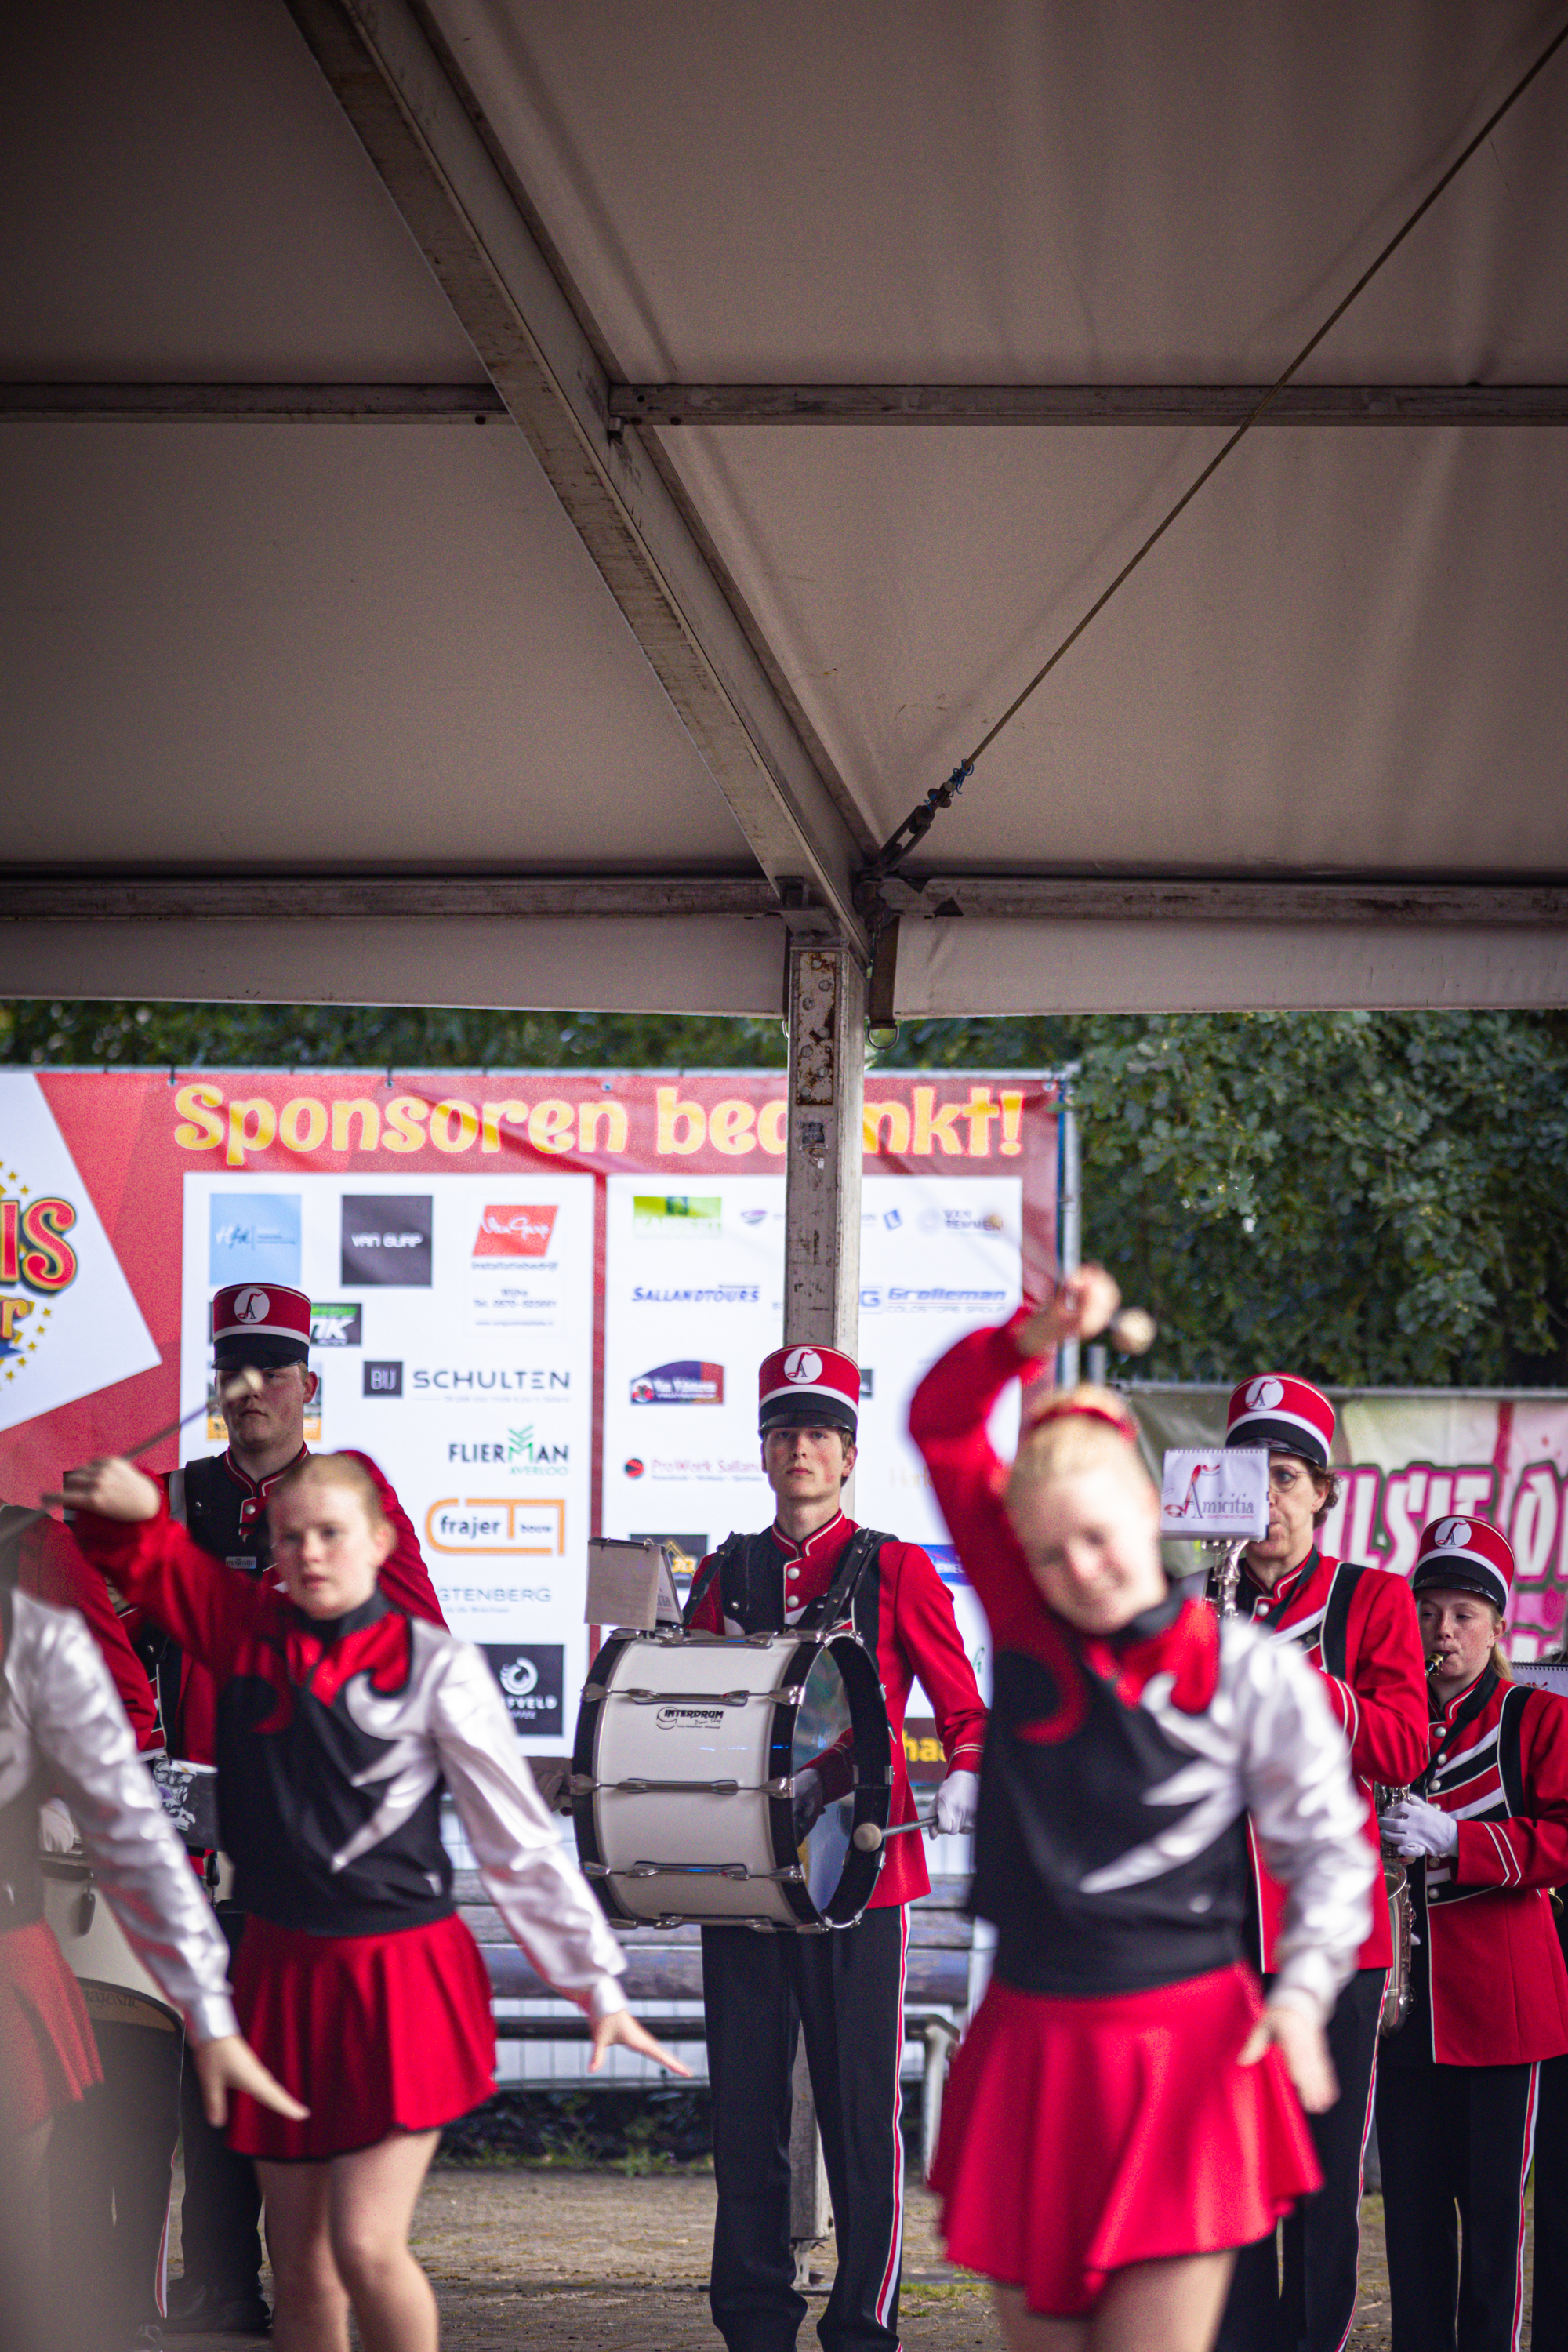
pixel 421 136
pixel 1214 404
pixel 89 894
pixel 1282 897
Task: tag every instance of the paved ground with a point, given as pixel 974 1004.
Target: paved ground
pixel 527 2261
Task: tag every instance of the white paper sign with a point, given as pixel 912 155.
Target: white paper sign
pixel 1212 1493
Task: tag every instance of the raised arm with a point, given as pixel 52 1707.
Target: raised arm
pixel 948 1417
pixel 123 1527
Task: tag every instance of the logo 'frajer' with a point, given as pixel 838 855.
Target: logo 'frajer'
pixel 513 1230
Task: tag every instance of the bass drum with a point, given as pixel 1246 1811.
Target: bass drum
pixel 683 1777
pixel 116 1989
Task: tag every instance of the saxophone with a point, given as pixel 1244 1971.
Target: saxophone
pixel 1225 1576
pixel 1396 1995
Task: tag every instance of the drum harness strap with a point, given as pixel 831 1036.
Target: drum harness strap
pixel 744 1559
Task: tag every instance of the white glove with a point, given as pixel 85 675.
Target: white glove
pixel 56 1830
pixel 1414 1828
pixel 808 1802
pixel 957 1803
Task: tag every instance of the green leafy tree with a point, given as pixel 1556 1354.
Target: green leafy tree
pixel 1364 1198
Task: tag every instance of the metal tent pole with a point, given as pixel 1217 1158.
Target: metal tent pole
pixel 826 1005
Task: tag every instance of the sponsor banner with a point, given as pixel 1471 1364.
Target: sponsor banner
pixel 539 1298
pixel 1403 1458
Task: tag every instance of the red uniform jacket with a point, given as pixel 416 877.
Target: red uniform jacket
pixel 1360 1630
pixel 1491 1988
pixel 53 1568
pixel 404 1580
pixel 916 1636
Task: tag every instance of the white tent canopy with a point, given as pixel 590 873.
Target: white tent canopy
pixel 373 631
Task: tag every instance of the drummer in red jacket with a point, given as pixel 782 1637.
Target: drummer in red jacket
pixel 222 1500
pixel 1485 1830
pixel 1357 1625
pixel 846 1988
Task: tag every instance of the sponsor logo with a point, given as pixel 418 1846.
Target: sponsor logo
pixel 753 1216
pixel 868 1383
pixel 1453 1535
pixel 896 1300
pixel 463 1381
pixel 707 1468
pixel 688 1548
pixel 1189 1501
pixel 717 1294
pixel 1262 1396
pixel 961 1221
pixel 340 1325
pixel 522 1451
pixel 803 1365
pixel 534 1526
pixel 892 1219
pixel 383 1378
pixel 531 1677
pixel 686 1382
pixel 253 1237
pixel 36 1263
pixel 702 1209
pixel 512 1230
pixel 690 1718
pixel 634 1468
pixel 386 1240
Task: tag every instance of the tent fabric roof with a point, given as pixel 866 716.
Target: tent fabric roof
pixel 245 646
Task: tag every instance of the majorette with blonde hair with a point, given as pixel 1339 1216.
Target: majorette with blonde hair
pixel 1357 1627
pixel 1124 2111
pixel 1485 1834
pixel 340 1718
pixel 813 1568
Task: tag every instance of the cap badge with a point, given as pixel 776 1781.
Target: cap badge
pixel 251 1306
pixel 803 1364
pixel 1452 1534
pixel 1262 1396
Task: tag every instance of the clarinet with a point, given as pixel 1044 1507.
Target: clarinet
pixel 1397 1994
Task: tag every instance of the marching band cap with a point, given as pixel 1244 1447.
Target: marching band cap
pixel 1464 1556
pixel 800 1387
pixel 1274 1409
pixel 259 1323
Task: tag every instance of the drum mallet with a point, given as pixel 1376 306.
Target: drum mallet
pixel 869 1837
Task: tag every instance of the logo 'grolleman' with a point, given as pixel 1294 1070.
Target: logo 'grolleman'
pixel 513 1230
pixel 803 1364
pixel 1264 1395
pixel 1453 1535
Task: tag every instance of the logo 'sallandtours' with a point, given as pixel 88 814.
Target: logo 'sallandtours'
pixel 36 1263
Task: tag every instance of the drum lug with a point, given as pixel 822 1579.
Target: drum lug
pixel 594 1869
pixel 593 1692
pixel 791 1694
pixel 783 1787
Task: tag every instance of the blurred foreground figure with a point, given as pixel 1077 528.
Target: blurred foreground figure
pixel 64 1734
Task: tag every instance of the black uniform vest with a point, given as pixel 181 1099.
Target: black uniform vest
pixel 749 1573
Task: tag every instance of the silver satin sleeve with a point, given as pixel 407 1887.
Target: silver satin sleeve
pixel 64 1692
pixel 543 1898
pixel 1294 1763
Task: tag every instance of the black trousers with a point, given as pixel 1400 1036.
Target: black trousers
pixel 111 2162
pixel 221 2213
pixel 1310 2308
pixel 1455 2143
pixel 845 1991
pixel 1549 2292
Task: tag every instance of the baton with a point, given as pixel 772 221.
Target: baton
pixel 244 1382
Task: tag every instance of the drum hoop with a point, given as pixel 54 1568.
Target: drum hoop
pixel 873 1789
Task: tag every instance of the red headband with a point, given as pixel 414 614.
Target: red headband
pixel 1058 1409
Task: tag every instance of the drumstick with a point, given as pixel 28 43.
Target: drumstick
pixel 244 1382
pixel 869 1837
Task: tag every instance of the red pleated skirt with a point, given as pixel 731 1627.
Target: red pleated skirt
pixel 376 2033
pixel 1079 2135
pixel 50 2056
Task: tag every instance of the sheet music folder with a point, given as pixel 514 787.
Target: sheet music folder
pixel 631 1583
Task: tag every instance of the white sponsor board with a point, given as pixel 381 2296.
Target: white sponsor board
pixel 454 1337
pixel 1212 1493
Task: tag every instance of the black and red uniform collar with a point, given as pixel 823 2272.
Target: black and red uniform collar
pixel 822 1543
pixel 256 1491
pixel 329 1630
pixel 1270 1600
pixel 1448 1711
